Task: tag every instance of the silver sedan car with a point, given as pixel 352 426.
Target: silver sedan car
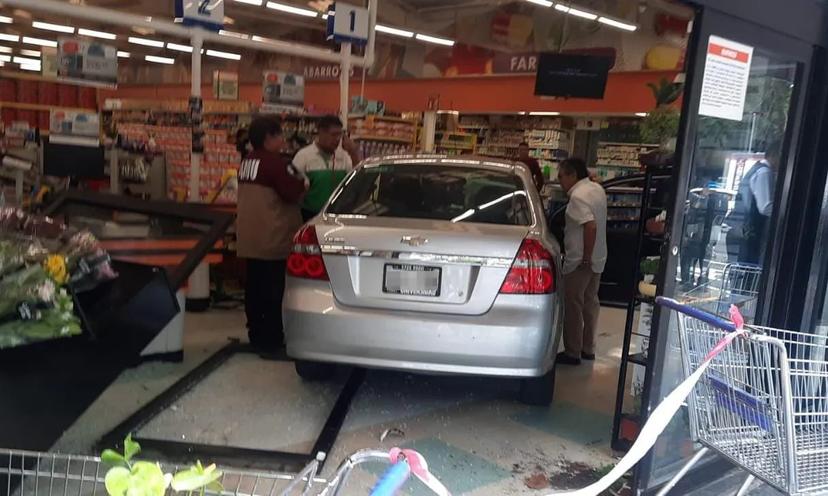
pixel 430 264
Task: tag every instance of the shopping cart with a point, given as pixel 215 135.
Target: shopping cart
pixel 728 284
pixel 26 473
pixel 762 402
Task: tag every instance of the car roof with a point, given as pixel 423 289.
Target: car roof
pixel 438 159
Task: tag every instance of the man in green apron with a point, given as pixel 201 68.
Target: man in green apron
pixel 325 163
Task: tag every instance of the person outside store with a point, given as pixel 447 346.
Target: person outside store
pixel 270 190
pixel 325 163
pixel 585 242
pixel 532 163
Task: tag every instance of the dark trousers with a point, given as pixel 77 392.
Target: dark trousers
pixel 263 302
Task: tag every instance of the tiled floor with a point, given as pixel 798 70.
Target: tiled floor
pixel 477 438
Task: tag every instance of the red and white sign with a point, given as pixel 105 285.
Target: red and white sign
pixel 726 74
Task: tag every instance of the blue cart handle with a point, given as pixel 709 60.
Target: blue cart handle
pixel 705 317
pixel 392 480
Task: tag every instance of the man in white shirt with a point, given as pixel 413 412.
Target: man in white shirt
pixel 325 163
pixel 585 242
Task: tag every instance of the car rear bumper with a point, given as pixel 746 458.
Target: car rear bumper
pixel 515 338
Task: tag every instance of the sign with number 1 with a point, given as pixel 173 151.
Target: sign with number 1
pixel 348 24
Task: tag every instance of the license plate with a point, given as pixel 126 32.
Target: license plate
pixel 412 280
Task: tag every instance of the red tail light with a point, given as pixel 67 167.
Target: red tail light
pixel 532 272
pixel 305 260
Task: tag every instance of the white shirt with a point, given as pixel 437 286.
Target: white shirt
pixel 311 158
pixel 587 203
pixel 761 185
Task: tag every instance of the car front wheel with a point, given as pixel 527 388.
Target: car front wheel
pixel 314 371
pixel 538 391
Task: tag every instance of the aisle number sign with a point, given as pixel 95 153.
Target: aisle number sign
pixel 208 14
pixel 348 24
pixel 726 74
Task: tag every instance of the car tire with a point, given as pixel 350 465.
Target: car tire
pixel 314 371
pixel 538 391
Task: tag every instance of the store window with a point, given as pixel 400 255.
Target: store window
pixel 727 224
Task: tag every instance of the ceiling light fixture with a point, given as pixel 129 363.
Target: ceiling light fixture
pixel 159 60
pixel 544 113
pixel 223 55
pixel 38 41
pixel 123 55
pixel 576 12
pixel 5 58
pixel 542 3
pixel 30 53
pixel 179 48
pixel 291 9
pixel 434 39
pixel 396 32
pixel 97 34
pixel 617 24
pixel 53 27
pixel 24 60
pixel 146 42
pixel 30 67
pixel 9 37
pixel 233 34
pixel 6 20
pixel 641 114
pixel 5 49
pixel 257 3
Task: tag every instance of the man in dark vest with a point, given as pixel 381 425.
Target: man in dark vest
pixel 750 219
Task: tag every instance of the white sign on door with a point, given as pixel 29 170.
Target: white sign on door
pixel 349 23
pixel 726 74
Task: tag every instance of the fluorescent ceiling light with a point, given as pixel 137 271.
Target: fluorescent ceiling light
pixel 9 37
pixel 146 42
pixel 53 27
pixel 24 60
pixel 544 113
pixel 123 55
pixel 38 41
pixel 291 9
pixel 617 24
pixel 260 39
pixel 30 67
pixel 179 48
pixel 6 20
pixel 394 31
pixel 576 12
pixel 5 58
pixel 233 34
pixel 251 2
pixel 223 55
pixel 542 3
pixel 159 60
pixel 641 114
pixel 434 39
pixel 97 34
pixel 30 53
pixel 5 49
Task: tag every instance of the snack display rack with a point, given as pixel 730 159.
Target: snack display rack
pixel 381 135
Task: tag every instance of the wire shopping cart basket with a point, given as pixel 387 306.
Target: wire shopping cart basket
pixel 26 473
pixel 762 402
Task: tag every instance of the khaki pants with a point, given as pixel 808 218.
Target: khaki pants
pixel 581 311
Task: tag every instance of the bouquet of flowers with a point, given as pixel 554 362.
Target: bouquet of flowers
pixel 40 261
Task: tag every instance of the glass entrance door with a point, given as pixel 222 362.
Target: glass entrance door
pixel 741 114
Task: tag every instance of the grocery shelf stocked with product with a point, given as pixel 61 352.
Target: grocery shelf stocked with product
pixel 382 135
pixel 619 159
pixel 453 143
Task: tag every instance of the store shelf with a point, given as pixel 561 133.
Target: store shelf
pixel 637 145
pixel 380 118
pixel 373 137
pixel 39 107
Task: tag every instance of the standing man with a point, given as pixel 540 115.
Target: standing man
pixel 585 241
pixel 325 164
pixel 532 163
pixel 270 190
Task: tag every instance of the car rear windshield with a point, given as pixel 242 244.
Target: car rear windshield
pixel 439 192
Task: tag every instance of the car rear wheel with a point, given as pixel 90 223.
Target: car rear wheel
pixel 538 391
pixel 314 371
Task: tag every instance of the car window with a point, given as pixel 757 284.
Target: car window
pixel 421 191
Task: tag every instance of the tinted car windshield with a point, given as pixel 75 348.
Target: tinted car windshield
pixel 457 194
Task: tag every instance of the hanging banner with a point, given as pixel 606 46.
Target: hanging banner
pixel 726 74
pixel 283 88
pixel 75 128
pixel 89 62
pixel 49 62
pixel 225 85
